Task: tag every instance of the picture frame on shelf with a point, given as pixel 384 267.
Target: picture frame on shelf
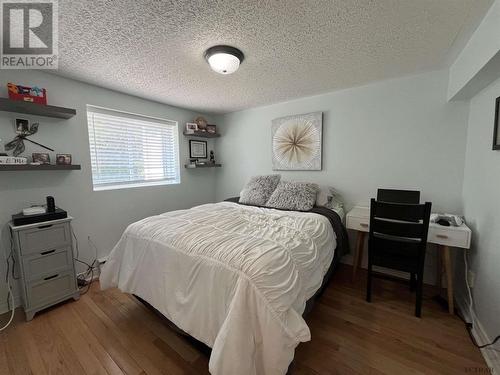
pixel 197 149
pixel 22 126
pixel 212 129
pixel 191 127
pixel 63 159
pixel 40 158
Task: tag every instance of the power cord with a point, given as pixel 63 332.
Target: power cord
pixel 84 283
pixel 469 325
pixel 10 295
pixel 11 304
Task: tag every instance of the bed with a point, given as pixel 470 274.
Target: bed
pixel 237 278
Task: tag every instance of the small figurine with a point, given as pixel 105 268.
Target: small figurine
pixel 202 123
pixel 212 157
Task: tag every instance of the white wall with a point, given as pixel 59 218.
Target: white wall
pixel 102 215
pixel 482 207
pixel 399 133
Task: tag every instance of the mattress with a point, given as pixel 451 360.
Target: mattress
pixel 234 277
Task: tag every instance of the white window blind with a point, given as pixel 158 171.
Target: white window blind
pixel 129 150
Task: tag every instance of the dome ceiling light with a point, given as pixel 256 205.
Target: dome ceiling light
pixel 224 59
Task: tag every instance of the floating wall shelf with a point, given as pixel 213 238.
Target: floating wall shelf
pixel 42 167
pixel 202 134
pixel 36 109
pixel 189 166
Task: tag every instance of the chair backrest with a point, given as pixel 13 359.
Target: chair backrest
pixel 398 196
pixel 399 228
pixel 410 221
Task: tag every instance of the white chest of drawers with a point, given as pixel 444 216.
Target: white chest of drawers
pixel 44 253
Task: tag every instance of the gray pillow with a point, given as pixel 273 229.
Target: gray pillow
pixel 258 190
pixel 298 196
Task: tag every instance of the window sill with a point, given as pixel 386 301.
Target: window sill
pixel 135 185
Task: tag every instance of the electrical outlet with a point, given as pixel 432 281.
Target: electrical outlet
pixel 471 278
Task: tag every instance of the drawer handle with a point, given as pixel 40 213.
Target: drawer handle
pixel 48 252
pixel 364 225
pixel 51 277
pixel 442 236
pixel 45 226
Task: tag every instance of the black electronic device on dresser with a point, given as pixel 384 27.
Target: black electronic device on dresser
pixel 50 212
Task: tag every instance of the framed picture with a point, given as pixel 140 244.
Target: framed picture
pixel 197 149
pixel 63 159
pixel 496 133
pixel 297 142
pixel 191 127
pixel 212 129
pixel 22 126
pixel 42 158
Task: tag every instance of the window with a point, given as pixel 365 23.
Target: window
pixel 128 150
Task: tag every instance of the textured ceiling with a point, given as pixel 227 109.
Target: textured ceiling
pixel 293 48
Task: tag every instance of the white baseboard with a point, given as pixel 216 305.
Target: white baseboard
pixel 490 355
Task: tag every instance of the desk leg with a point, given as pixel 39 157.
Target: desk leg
pixel 358 254
pixel 439 269
pixel 449 278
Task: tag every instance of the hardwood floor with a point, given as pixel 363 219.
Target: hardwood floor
pixel 108 332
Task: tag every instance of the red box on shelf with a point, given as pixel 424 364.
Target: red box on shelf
pixel 27 94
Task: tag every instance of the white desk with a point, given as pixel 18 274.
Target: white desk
pixel 358 219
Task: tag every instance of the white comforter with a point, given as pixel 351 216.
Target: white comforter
pixel 234 277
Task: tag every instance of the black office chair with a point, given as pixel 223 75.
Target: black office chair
pixel 398 196
pixel 397 240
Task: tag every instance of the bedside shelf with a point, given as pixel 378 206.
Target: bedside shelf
pixel 29 108
pixel 188 166
pixel 42 167
pixel 202 134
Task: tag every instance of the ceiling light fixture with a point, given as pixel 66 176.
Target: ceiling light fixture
pixel 224 59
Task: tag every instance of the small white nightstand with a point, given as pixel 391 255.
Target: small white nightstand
pixel 358 219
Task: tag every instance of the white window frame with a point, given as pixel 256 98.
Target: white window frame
pixel 130 116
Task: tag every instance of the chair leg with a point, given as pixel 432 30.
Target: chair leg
pixel 369 283
pixel 418 305
pixel 413 282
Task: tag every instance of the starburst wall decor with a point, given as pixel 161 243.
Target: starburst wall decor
pixel 297 142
